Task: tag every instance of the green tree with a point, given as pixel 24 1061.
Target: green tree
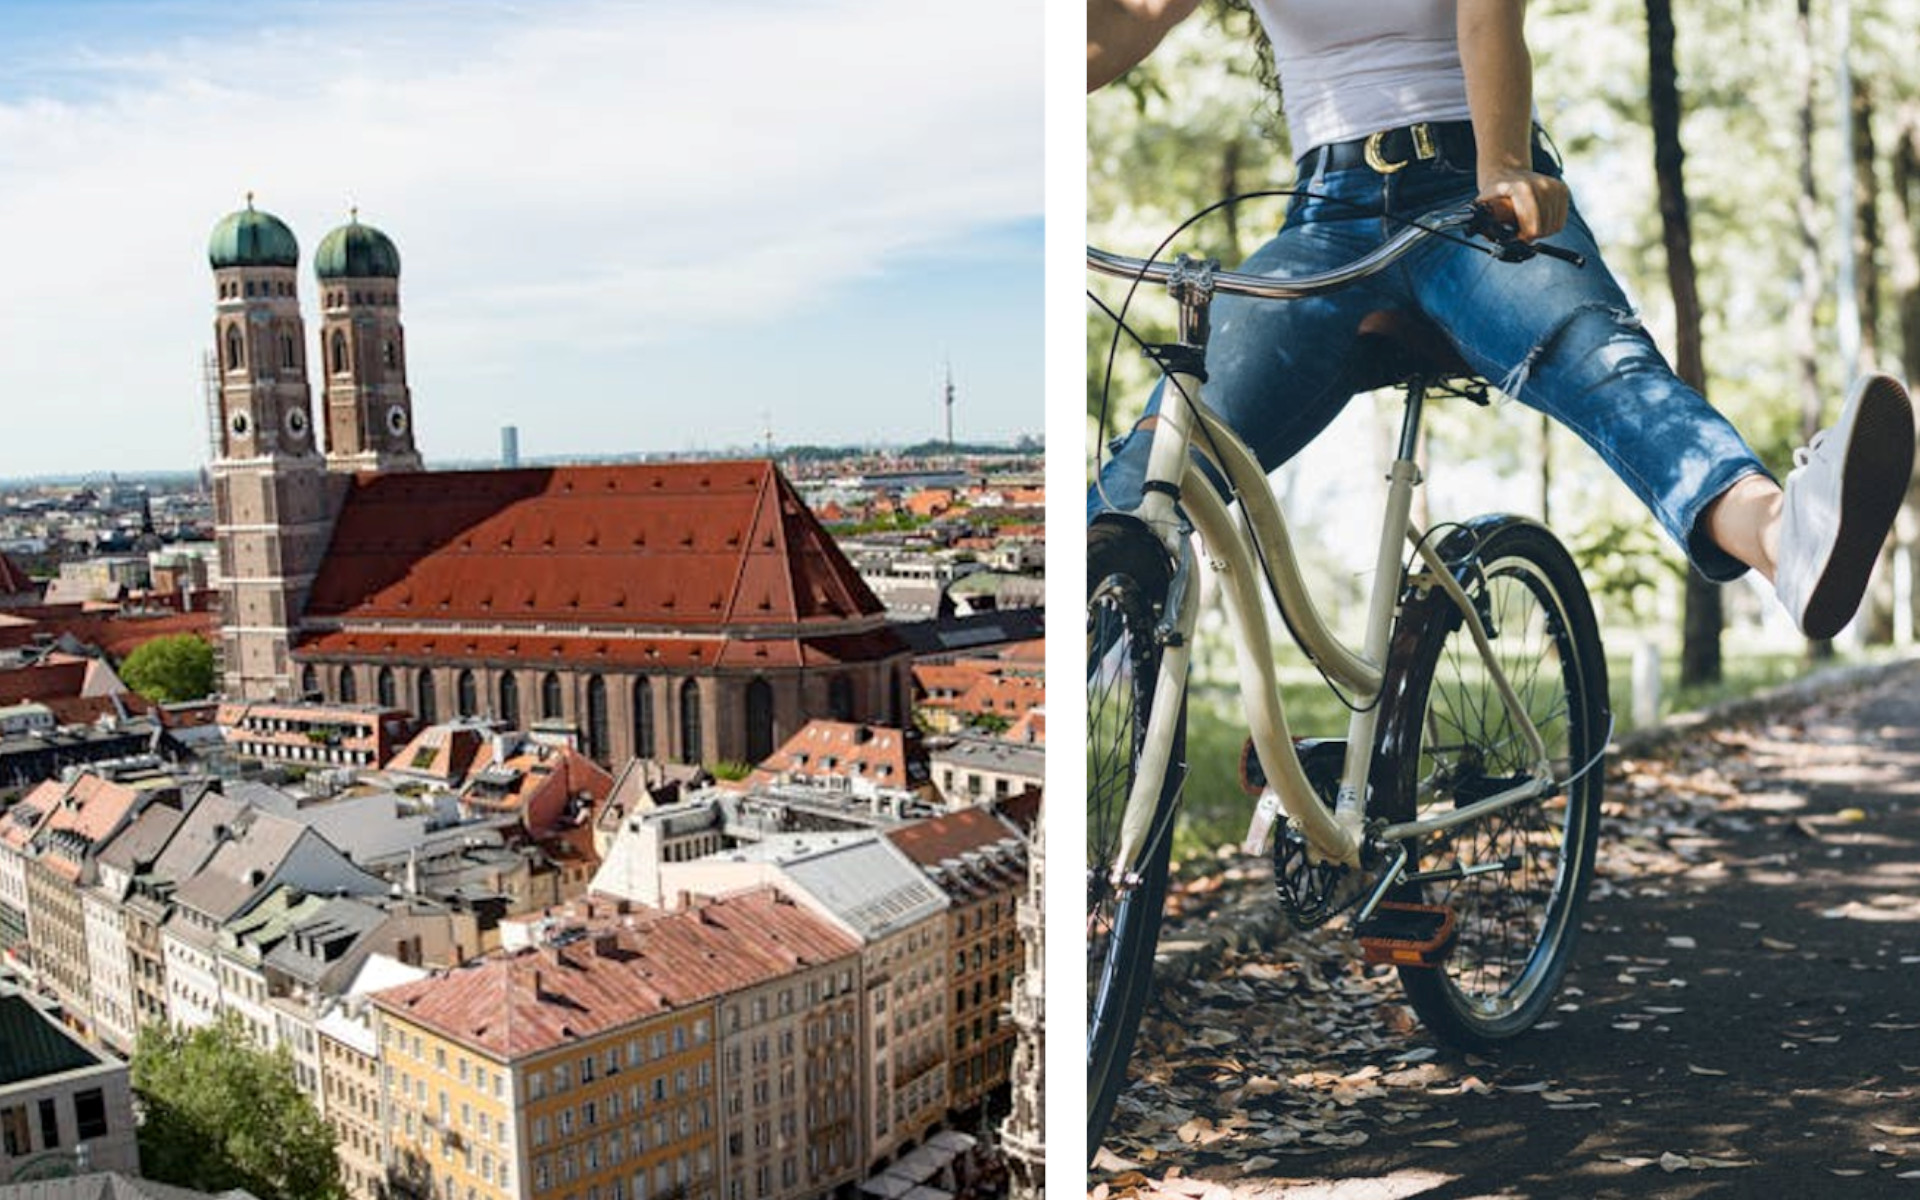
pixel 216 1113
pixel 170 669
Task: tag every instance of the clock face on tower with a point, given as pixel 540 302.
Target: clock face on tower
pixel 296 424
pixel 241 425
pixel 396 420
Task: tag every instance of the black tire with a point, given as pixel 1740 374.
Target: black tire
pixel 1127 580
pixel 1443 728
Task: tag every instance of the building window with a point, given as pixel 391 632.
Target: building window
pixel 389 354
pixel 309 682
pixel 596 717
pixel 15 1136
pixel 643 717
pixel 236 359
pixel 690 742
pixel 510 700
pixel 466 694
pixel 759 720
pixel 49 1123
pixel 287 359
pixel 840 698
pixel 348 692
pixel 550 708
pixel 383 687
pixel 339 352
pixel 426 706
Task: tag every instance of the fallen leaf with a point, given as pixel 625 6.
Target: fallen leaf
pixel 1703 1070
pixel 1899 1131
pixel 1776 945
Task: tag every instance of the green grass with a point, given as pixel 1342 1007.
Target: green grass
pixel 1215 810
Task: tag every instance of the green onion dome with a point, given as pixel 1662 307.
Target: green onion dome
pixel 251 238
pixel 356 251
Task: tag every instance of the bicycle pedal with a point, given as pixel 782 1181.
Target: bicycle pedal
pixel 1408 935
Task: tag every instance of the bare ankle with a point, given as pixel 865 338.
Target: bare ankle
pixel 1744 521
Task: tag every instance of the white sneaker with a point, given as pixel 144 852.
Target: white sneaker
pixel 1842 496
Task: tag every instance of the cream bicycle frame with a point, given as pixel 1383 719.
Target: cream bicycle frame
pixel 1236 550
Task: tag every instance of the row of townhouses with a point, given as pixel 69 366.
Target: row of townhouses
pixel 772 1015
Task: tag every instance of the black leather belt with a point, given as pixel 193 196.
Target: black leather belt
pixel 1391 150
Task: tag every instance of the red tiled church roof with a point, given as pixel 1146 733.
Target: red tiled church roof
pixel 673 546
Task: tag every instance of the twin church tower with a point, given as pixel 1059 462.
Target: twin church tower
pixel 276 493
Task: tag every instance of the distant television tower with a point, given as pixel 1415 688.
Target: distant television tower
pixel 950 408
pixel 766 417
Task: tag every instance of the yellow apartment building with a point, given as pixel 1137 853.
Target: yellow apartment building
pixel 588 1066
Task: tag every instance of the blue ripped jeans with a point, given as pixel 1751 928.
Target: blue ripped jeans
pixel 1558 338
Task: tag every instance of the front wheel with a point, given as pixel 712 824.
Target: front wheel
pixel 1514 880
pixel 1127 583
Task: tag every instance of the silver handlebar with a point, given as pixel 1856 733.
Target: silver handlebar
pixel 1268 287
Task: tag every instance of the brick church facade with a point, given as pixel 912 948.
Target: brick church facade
pixel 691 612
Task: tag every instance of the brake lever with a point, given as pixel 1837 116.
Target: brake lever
pixel 1507 245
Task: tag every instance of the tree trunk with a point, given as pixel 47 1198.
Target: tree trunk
pixel 1701 627
pixel 1903 274
pixel 1801 322
pixel 1230 186
pixel 1876 611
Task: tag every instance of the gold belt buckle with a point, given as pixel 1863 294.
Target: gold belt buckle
pixel 1423 149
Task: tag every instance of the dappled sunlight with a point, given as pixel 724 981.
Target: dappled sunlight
pixel 1742 1017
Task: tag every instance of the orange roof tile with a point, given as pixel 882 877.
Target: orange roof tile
pixel 622 970
pixel 823 748
pixel 929 843
pixel 673 546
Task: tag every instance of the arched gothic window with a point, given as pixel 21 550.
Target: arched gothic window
pixel 349 694
pixel 690 742
pixel 596 718
pixel 309 681
pixel 643 744
pixel 339 352
pixel 236 357
pixel 287 359
pixel 389 354
pixel 840 698
pixel 550 708
pixel 427 706
pixel 466 694
pixel 759 720
pixel 510 700
pixel 383 688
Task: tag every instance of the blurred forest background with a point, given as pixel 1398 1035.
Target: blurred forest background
pixel 1752 171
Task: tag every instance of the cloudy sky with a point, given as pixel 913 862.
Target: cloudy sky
pixel 638 226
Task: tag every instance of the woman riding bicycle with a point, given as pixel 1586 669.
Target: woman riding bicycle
pixel 1409 106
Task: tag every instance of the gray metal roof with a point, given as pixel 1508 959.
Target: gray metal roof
pixel 864 880
pixel 196 838
pixel 143 840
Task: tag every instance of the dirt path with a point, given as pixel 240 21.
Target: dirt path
pixel 1742 1018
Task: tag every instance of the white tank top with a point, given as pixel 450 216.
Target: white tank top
pixel 1350 67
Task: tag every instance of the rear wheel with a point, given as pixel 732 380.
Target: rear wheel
pixel 1515 880
pixel 1127 581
